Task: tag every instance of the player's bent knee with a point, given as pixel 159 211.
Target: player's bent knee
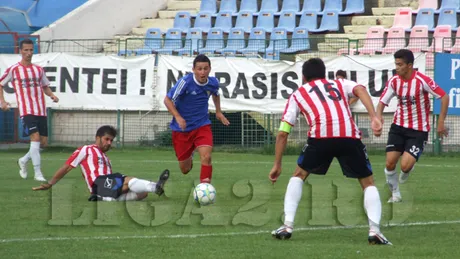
pixel 141 196
pixel 390 166
pixel 406 168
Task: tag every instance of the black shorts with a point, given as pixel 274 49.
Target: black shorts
pixel 317 155
pixel 108 185
pixel 32 124
pixel 406 140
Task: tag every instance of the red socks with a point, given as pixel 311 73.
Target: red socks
pixel 206 173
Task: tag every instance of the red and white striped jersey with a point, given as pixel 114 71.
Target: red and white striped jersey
pixel 93 163
pixel 413 108
pixel 28 83
pixel 324 103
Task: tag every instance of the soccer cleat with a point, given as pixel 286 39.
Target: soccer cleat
pixel 22 169
pixel 395 198
pixel 39 177
pixel 403 177
pixel 378 239
pixel 161 182
pixel 283 232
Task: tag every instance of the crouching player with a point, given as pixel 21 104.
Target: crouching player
pixel 97 171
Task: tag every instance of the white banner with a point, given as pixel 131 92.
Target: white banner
pixel 264 86
pixel 92 82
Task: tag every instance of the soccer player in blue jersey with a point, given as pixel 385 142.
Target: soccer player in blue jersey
pixel 188 101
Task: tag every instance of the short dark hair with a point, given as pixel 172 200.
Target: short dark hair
pixel 25 41
pixel 106 129
pixel 405 55
pixel 341 73
pixel 201 58
pixel 314 68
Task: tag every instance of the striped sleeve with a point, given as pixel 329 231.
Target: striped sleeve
pixel 178 89
pixel 291 112
pixel 389 92
pixel 77 157
pixel 430 86
pixel 6 77
pixel 43 79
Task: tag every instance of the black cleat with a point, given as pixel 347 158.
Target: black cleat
pixel 161 182
pixel 95 197
pixel 283 232
pixel 378 239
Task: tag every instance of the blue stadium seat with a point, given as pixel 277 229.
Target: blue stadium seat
pixel 235 42
pixel 203 21
pixel 173 41
pixel 193 42
pixel 266 20
pixel 228 6
pixel 309 20
pixel 290 5
pixel 278 42
pixel 448 16
pixel 182 21
pixel 214 41
pixel 152 42
pixel 207 6
pixel 256 43
pixel 332 5
pixel 287 20
pixel 311 5
pixel 455 4
pixel 353 7
pixel 329 22
pixel 224 21
pixel 244 21
pixel 249 6
pixel 299 42
pixel 425 16
pixel 269 6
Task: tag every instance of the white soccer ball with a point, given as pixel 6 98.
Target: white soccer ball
pixel 204 194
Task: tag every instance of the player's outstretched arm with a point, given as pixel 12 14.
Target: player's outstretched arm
pixel 280 146
pixel 442 130
pixel 60 173
pixel 50 93
pixel 219 115
pixel 3 104
pixel 376 123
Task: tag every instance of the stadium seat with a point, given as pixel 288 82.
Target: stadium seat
pixel 203 21
pixel 173 41
pixel 353 7
pixel 193 41
pixel 182 21
pixel 214 41
pixel 269 6
pixel 289 5
pixel 278 41
pixel 374 41
pixel 424 4
pixel 329 22
pixel 455 4
pixel 396 40
pixel 425 16
pixel 299 41
pixel 418 38
pixel 456 48
pixel 235 42
pixel 256 43
pixel 332 5
pixel 152 42
pixel 442 39
pixel 448 16
pixel 287 21
pixel 309 20
pixel 244 21
pixel 249 6
pixel 310 6
pixel 224 21
pixel 208 6
pixel 403 18
pixel 266 20
pixel 228 6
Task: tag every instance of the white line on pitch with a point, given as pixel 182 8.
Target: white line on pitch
pixel 40 239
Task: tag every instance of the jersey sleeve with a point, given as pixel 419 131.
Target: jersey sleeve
pixel 77 157
pixel 430 86
pixel 388 93
pixel 291 111
pixel 178 89
pixel 6 77
pixel 349 87
pixel 215 86
pixel 43 79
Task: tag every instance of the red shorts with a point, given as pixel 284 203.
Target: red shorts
pixel 185 142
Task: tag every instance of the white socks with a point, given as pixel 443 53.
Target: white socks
pixel 138 185
pixel 392 180
pixel 34 153
pixel 373 208
pixel 292 199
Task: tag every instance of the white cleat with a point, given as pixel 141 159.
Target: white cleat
pixel 378 239
pixel 395 198
pixel 22 169
pixel 39 177
pixel 403 177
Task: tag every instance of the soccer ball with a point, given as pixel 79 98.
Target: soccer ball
pixel 204 194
